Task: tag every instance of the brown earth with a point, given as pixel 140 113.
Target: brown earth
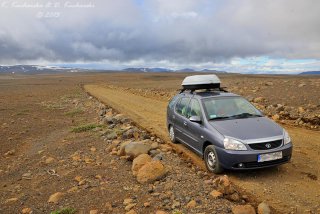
pixel 54 155
pixel 38 113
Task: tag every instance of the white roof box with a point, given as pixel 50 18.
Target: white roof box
pixel 209 81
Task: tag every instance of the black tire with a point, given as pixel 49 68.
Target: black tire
pixel 172 134
pixel 211 160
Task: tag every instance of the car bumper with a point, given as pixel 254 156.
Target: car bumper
pixel 241 160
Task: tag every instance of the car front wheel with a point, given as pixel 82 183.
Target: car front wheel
pixel 211 160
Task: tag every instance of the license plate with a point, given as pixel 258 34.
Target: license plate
pixel 269 156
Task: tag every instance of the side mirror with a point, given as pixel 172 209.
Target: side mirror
pixel 195 119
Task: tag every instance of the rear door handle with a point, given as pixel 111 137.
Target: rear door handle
pixel 185 123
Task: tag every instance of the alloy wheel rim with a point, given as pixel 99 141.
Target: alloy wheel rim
pixel 211 159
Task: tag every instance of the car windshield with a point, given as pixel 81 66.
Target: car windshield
pixel 229 108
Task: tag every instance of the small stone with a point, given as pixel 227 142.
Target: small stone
pixel 78 178
pixel 93 212
pixel 243 209
pixel 131 212
pixel 301 110
pixel 154 145
pixel 191 204
pixel 73 189
pixel 161 212
pixel 146 204
pixel 10 152
pixel 11 200
pixel 165 148
pixel 130 206
pixel 55 198
pixel 108 206
pixel 216 194
pixel 127 201
pixel 49 160
pixel 234 197
pixel 158 157
pixel 301 85
pixel 26 210
pixel 82 182
pixel 276 117
pixel 93 149
pixel 258 99
pixel 269 83
pixel 27 176
pixel 264 208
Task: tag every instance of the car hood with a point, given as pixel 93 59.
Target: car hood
pixel 248 128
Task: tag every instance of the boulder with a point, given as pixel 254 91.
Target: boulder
pixel 121 151
pixel 109 120
pixel 139 162
pixel 151 171
pixel 134 149
pixel 243 209
pixel 223 185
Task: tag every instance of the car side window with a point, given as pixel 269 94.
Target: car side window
pixel 182 105
pixel 173 101
pixel 194 109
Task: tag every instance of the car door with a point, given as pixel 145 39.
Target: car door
pixel 180 118
pixel 194 130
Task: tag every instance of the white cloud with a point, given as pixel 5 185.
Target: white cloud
pixel 172 33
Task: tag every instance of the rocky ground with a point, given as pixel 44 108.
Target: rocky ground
pixel 64 152
pixel 289 100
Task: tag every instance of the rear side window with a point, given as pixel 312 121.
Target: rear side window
pixel 182 106
pixel 173 101
pixel 194 109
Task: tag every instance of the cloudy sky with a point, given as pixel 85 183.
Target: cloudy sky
pixel 268 36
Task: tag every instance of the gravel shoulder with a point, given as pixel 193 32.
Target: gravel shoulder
pixel 292 187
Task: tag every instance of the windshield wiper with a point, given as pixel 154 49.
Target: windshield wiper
pixel 218 118
pixel 246 115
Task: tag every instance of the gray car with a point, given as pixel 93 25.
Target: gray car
pixel 226 130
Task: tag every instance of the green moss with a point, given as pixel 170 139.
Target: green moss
pixel 74 112
pixel 64 211
pixel 84 128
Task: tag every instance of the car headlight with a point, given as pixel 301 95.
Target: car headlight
pixel 286 137
pixel 232 144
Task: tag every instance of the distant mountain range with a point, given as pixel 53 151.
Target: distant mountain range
pixel 169 70
pixel 29 69
pixel 310 73
pixel 34 69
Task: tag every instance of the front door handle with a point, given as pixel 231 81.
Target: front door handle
pixel 185 123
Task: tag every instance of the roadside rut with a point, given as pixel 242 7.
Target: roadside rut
pixel 290 188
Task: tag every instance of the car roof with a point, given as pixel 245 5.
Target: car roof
pixel 207 94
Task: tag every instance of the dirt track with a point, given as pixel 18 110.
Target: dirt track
pixel 293 187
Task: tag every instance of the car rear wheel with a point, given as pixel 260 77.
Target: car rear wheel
pixel 211 160
pixel 172 134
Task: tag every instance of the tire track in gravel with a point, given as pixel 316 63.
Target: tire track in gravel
pixel 292 187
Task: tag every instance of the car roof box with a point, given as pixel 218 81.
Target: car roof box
pixel 196 82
